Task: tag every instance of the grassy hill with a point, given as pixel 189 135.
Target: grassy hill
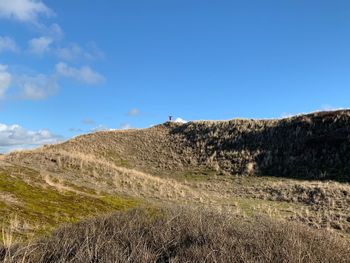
pixel 278 169
pixel 312 146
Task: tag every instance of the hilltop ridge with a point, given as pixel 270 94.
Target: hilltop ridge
pixel 311 146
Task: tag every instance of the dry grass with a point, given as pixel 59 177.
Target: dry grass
pixel 101 175
pixel 181 236
pixel 312 146
pixel 318 204
pixel 200 164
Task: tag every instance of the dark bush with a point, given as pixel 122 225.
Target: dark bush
pixel 183 236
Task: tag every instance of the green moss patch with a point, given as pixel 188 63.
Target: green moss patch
pixel 44 208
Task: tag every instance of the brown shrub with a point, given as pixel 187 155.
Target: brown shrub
pixel 182 236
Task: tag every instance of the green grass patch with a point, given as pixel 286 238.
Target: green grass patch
pixel 119 203
pixel 44 208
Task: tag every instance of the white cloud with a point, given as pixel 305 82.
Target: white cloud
pixel 134 112
pixel 8 44
pixel 84 74
pixel 53 31
pixel 24 10
pixel 180 120
pixel 5 80
pixel 37 87
pixel 14 137
pixel 70 52
pixel 75 52
pixel 31 87
pixel 40 45
pixel 41 86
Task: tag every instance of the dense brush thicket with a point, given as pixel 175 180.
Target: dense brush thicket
pixel 314 146
pixel 181 236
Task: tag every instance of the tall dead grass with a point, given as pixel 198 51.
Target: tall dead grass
pixel 181 236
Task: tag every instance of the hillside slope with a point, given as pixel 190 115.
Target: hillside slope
pixel 313 146
pixel 192 164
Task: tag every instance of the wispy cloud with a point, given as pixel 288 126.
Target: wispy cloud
pixel 74 51
pixel 24 10
pixel 88 121
pixel 5 80
pixel 53 31
pixel 84 74
pixel 14 137
pixel 8 44
pixel 134 112
pixel 37 87
pixel 41 86
pixel 70 52
pixel 40 45
pixel 50 44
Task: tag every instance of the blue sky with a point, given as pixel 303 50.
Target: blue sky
pixel 71 67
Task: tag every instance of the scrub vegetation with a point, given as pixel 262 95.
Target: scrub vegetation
pixel 272 190
pixel 182 236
